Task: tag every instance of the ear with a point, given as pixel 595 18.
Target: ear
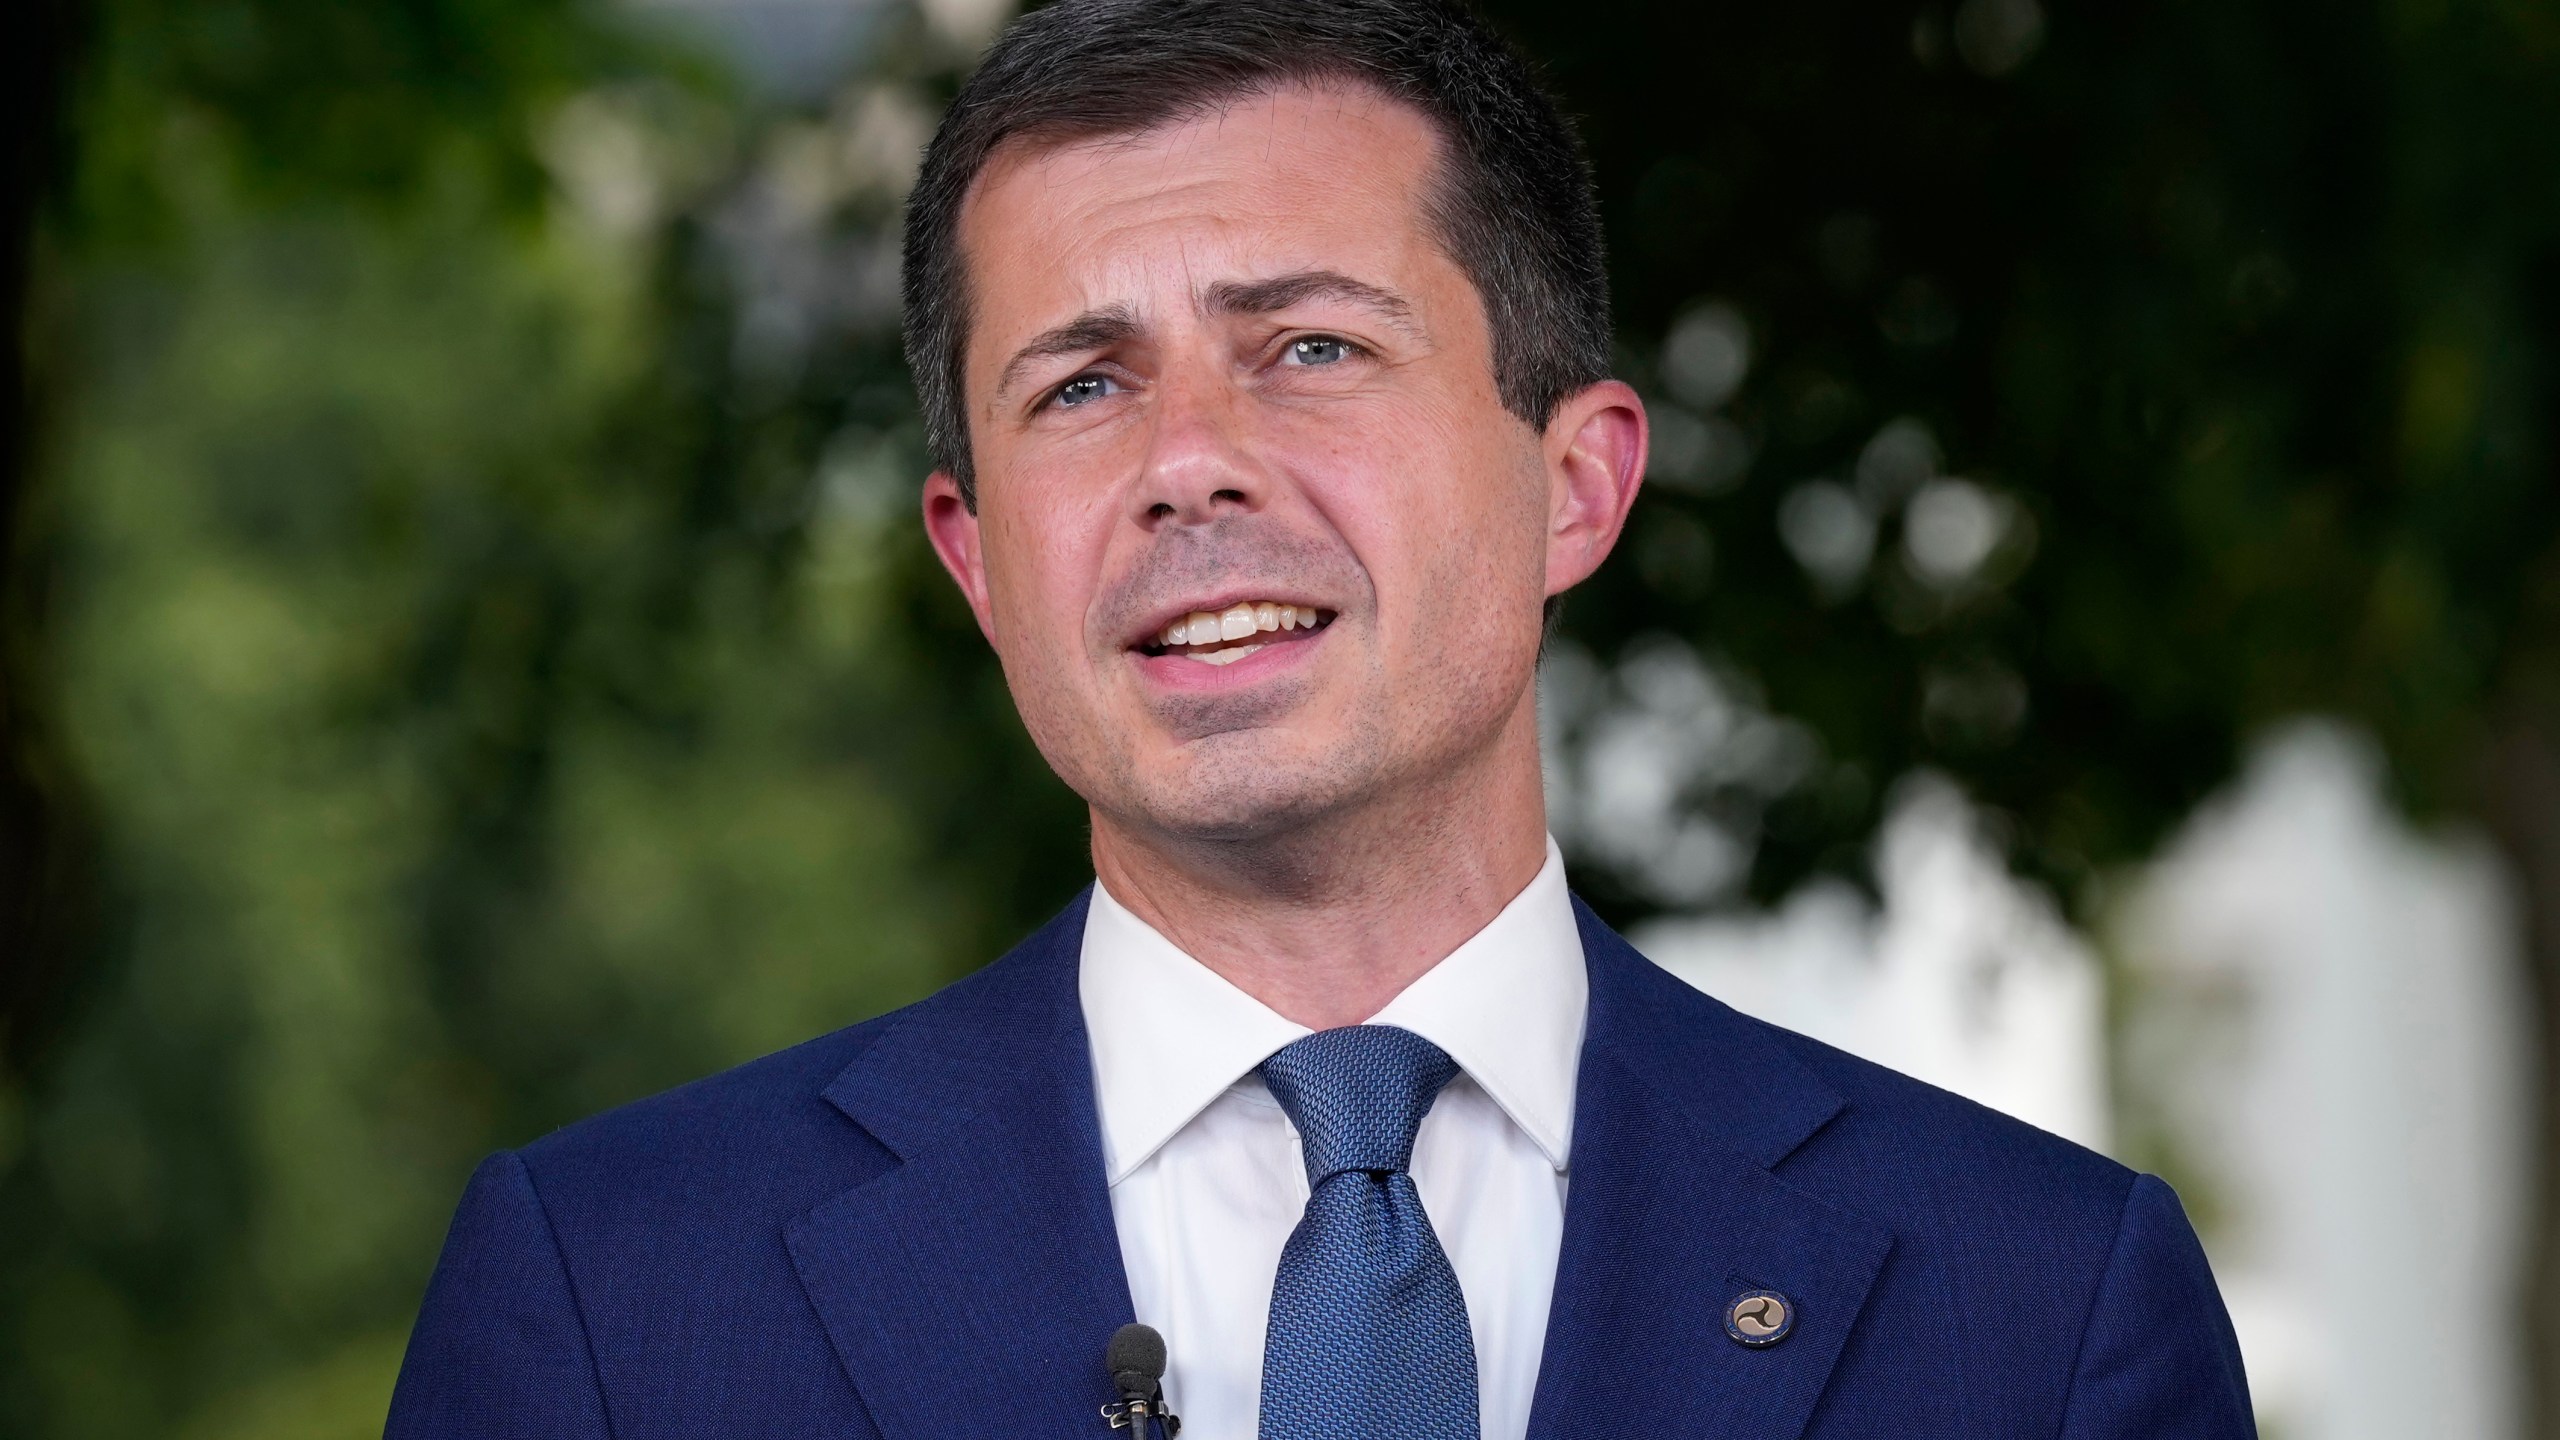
pixel 952 525
pixel 1595 449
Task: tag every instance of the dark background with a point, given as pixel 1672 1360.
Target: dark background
pixel 469 659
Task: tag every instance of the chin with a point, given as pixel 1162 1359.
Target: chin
pixel 1219 801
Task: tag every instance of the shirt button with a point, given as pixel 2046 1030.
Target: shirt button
pixel 1759 1317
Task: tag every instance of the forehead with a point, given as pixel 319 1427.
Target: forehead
pixel 1307 176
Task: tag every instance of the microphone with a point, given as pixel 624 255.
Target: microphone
pixel 1136 1360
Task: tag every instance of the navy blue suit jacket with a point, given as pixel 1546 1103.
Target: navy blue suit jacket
pixel 902 1231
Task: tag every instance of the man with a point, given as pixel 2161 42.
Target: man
pixel 1263 347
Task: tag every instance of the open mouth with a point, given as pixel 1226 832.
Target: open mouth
pixel 1223 637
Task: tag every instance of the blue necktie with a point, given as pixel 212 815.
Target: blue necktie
pixel 1369 1337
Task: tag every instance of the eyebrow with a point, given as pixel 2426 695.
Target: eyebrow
pixel 1114 324
pixel 1261 297
pixel 1092 330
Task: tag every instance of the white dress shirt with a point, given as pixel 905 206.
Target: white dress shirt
pixel 1206 1179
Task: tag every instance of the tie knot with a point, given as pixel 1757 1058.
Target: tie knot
pixel 1357 1095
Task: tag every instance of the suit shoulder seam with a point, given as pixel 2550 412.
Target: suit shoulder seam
pixel 569 1284
pixel 2097 1297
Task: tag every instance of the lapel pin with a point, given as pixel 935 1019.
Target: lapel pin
pixel 1759 1317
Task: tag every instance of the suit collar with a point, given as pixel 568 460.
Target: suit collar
pixel 970 1289
pixel 979 1048
pixel 1735 1081
pixel 1684 1108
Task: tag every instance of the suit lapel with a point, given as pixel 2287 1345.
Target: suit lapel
pixel 1682 1110
pixel 970 1288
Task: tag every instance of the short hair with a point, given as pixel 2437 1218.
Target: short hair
pixel 1512 200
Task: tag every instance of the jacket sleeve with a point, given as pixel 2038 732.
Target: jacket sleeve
pixel 500 1351
pixel 2158 1358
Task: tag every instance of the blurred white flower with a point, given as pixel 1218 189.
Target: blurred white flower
pixel 1831 535
pixel 1706 355
pixel 1953 526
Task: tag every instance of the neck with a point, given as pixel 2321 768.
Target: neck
pixel 1329 921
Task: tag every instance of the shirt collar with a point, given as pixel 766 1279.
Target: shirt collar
pixel 1169 1034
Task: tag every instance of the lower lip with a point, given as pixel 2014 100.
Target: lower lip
pixel 1181 672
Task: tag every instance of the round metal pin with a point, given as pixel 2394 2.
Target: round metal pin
pixel 1759 1317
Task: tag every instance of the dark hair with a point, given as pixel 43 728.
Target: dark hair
pixel 1513 203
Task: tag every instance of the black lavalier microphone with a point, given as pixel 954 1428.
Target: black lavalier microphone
pixel 1136 1359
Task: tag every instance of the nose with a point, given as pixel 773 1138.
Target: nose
pixel 1199 464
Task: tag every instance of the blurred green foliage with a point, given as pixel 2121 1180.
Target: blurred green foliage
pixel 484 631
pixel 2244 320
pixel 500 686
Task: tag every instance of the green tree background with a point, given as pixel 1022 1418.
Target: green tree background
pixel 469 659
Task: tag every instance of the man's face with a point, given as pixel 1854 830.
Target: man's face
pixel 1256 539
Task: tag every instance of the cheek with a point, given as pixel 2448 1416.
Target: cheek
pixel 1040 571
pixel 1039 597
pixel 1446 513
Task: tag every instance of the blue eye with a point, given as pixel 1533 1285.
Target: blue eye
pixel 1086 387
pixel 1318 350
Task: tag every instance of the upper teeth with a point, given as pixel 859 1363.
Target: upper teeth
pixel 1203 627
